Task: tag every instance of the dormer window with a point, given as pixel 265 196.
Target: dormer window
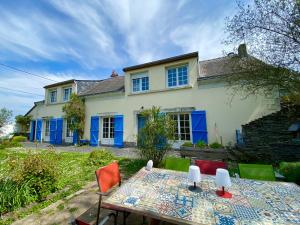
pixel 177 76
pixel 140 82
pixel 53 96
pixel 67 94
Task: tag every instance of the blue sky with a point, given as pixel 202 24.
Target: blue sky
pixel 88 39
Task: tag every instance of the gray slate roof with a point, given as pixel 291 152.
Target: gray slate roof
pixel 85 85
pixel 214 67
pixel 113 84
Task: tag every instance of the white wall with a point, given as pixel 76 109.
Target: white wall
pixel 224 114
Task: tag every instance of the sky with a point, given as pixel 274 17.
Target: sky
pixel 88 39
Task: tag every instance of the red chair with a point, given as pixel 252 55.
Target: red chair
pixel 210 167
pixel 107 178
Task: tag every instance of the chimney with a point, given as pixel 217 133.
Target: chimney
pixel 114 74
pixel 242 50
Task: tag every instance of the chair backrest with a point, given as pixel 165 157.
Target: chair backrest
pixel 108 176
pixel 210 167
pixel 257 172
pixel 178 164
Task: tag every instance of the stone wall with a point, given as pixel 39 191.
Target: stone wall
pixel 268 140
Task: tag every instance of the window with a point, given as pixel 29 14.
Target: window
pixel 67 94
pixel 108 127
pixel 47 128
pixel 69 133
pixel 140 82
pixel 53 96
pixel 177 76
pixel 182 126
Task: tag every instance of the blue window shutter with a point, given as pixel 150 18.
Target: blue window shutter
pixel 39 125
pixel 32 131
pixel 59 131
pixel 94 132
pixel 75 137
pixel 52 131
pixel 199 128
pixel 119 127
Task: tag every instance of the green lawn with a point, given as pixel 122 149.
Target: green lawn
pixel 74 172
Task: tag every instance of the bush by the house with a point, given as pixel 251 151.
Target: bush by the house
pixel 100 157
pixel 153 137
pixel 188 144
pixel 19 139
pixel 291 170
pixel 38 170
pixel 201 144
pixel 9 144
pixel 215 145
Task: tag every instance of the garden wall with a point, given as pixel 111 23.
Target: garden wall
pixel 268 140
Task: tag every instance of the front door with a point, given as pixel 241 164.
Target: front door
pixel 107 136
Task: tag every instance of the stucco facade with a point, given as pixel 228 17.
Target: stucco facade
pixel 224 114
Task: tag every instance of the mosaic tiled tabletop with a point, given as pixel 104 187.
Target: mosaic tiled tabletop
pixel 164 194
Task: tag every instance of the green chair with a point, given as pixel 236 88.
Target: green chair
pixel 257 172
pixel 177 164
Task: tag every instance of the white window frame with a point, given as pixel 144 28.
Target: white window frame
pixel 140 76
pixel 69 93
pixel 109 136
pixel 47 128
pixel 50 96
pixel 177 80
pixel 179 126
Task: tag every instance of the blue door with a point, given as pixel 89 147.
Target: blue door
pixel 39 125
pixel 75 137
pixel 32 131
pixel 53 131
pixel 94 132
pixel 199 128
pixel 141 122
pixel 59 131
pixel 118 131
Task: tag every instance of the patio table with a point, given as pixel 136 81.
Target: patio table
pixel 164 194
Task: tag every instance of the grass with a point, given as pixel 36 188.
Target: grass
pixel 75 172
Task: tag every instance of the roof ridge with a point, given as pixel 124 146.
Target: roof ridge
pixel 214 59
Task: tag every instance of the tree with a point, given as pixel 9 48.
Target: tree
pixel 272 30
pixel 153 137
pixel 75 112
pixel 5 116
pixel 24 122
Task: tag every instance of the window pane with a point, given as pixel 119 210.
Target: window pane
pixel 135 85
pixel 105 127
pixel 112 127
pixel 184 127
pixel 182 75
pixel 172 80
pixel 145 83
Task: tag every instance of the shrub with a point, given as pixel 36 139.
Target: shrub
pixel 291 170
pixel 153 137
pixel 201 144
pixel 9 144
pixel 39 171
pixel 215 145
pixel 100 157
pixel 19 139
pixel 188 144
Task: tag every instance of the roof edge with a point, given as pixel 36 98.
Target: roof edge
pixel 162 61
pixel 60 83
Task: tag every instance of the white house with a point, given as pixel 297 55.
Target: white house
pixel 194 92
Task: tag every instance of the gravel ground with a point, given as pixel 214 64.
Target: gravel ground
pixel 120 152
